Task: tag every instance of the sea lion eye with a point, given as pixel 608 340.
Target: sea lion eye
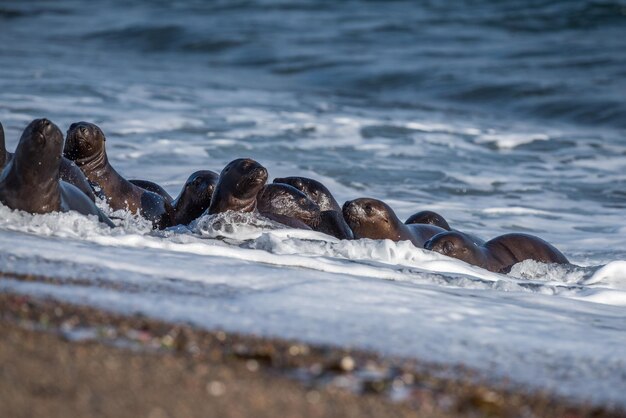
pixel 448 247
pixel 368 209
pixel 84 130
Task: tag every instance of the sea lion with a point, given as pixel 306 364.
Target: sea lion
pixel 85 145
pixel 374 219
pixel 238 186
pixel 195 197
pixel 286 201
pixel 428 217
pixel 314 190
pixel 331 220
pixel 31 181
pixel 70 173
pixel 498 254
pixel 5 156
pixel 153 187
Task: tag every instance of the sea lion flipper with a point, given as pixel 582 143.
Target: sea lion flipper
pixel 72 198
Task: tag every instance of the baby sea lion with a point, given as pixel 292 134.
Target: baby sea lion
pixel 287 201
pixel 31 181
pixel 498 254
pixel 85 145
pixel 428 217
pixel 153 187
pixel 371 218
pixel 331 220
pixel 70 173
pixel 238 186
pixel 195 197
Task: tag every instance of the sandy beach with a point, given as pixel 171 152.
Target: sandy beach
pixel 60 360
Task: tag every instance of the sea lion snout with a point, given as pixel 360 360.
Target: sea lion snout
pixel 351 210
pixel 259 174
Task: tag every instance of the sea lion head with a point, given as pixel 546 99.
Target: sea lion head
pixel 199 188
pixel 84 142
pixel 283 199
pixel 40 147
pixel 370 218
pixel 454 244
pixel 239 183
pixel 428 217
pixel 313 189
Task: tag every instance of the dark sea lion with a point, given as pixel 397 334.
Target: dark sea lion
pixel 238 186
pixel 70 173
pixel 498 254
pixel 374 219
pixel 153 187
pixel 287 221
pixel 331 221
pixel 32 182
pixel 314 190
pixel 428 217
pixel 195 197
pixel 85 145
pixel 5 156
pixel 287 201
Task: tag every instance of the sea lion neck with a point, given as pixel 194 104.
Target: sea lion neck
pixel 94 164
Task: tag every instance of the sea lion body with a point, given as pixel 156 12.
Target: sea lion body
pixel 85 145
pixel 331 219
pixel 287 201
pixel 333 224
pixel 195 197
pixel 31 181
pixel 286 220
pixel 428 217
pixel 374 219
pixel 70 173
pixel 238 186
pixel 498 254
pixel 152 187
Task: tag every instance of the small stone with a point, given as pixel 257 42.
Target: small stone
pixel 215 388
pixel 347 364
pixel 313 396
pixel 252 365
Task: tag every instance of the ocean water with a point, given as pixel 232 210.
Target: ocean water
pixel 502 116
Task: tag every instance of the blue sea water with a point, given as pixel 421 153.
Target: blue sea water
pixel 504 116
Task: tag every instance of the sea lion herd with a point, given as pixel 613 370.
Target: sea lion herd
pixel 47 174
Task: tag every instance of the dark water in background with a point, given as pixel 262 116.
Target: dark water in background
pixel 558 61
pixel 458 106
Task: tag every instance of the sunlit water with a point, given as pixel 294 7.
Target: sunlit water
pixel 507 117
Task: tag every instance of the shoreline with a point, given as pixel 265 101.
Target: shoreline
pixel 56 351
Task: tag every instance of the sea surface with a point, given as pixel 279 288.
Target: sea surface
pixel 504 116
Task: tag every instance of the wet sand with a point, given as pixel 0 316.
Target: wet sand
pixel 60 360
